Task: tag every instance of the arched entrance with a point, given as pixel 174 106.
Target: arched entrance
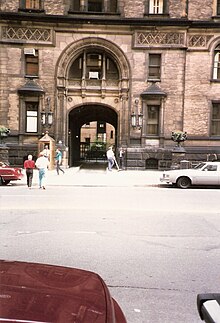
pixel 92 85
pixel 81 116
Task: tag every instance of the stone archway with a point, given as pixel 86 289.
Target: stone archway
pixel 69 97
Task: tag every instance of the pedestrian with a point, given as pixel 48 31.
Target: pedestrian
pixel 29 166
pixel 42 164
pixel 121 158
pixel 46 152
pixel 58 160
pixel 111 158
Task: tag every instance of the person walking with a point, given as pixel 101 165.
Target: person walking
pixel 58 160
pixel 42 164
pixel 29 166
pixel 111 158
pixel 121 158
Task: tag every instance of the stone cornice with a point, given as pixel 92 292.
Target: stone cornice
pixel 106 20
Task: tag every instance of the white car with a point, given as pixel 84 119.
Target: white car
pixel 207 173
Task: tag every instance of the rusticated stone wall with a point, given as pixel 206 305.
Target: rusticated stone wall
pixel 134 8
pixel 197 9
pixel 200 10
pixel 11 5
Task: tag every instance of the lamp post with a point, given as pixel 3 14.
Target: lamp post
pixel 47 114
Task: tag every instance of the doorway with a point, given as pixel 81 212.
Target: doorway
pixel 92 128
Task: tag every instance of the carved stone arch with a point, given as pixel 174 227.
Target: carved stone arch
pixel 74 49
pixel 214 42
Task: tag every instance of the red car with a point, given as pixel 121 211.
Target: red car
pixel 32 292
pixel 8 173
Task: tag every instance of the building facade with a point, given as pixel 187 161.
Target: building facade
pixel 146 67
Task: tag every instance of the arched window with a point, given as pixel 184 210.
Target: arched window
pixel 216 64
pixel 94 65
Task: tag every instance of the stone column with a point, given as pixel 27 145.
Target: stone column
pixel 124 120
pixel 60 117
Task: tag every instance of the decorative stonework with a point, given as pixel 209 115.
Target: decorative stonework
pixel 145 39
pixel 198 40
pixel 174 39
pixel 39 35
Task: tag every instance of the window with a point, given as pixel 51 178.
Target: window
pixel 215 119
pixel 76 5
pixel 111 70
pixel 94 5
pixel 218 7
pixel 31 111
pixel 210 168
pixel 101 127
pixel 113 6
pixel 156 7
pixel 94 65
pixel 32 4
pixel 152 126
pixel 31 62
pixel 216 66
pixel 154 66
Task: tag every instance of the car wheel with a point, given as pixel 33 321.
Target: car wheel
pixel 183 182
pixel 6 182
pixel 1 181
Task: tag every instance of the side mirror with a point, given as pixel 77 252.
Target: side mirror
pixel 209 307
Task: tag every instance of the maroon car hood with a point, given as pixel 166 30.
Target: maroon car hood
pixel 42 293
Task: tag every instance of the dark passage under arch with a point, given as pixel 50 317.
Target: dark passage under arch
pixel 85 114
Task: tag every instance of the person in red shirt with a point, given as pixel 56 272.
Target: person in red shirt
pixel 29 166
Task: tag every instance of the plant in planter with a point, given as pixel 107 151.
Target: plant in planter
pixel 178 137
pixel 4 132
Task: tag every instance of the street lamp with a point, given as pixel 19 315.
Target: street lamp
pixel 140 120
pixel 133 119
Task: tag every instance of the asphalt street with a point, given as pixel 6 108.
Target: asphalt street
pixel 155 246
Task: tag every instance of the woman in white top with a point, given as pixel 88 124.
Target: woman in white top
pixel 42 164
pixel 111 158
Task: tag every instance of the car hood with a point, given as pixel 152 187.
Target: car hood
pixel 32 292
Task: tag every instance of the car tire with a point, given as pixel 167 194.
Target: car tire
pixel 1 181
pixel 183 182
pixel 6 182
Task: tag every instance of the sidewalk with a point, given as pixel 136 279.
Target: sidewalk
pixel 75 177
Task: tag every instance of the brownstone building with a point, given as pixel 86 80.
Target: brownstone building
pixel 146 67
